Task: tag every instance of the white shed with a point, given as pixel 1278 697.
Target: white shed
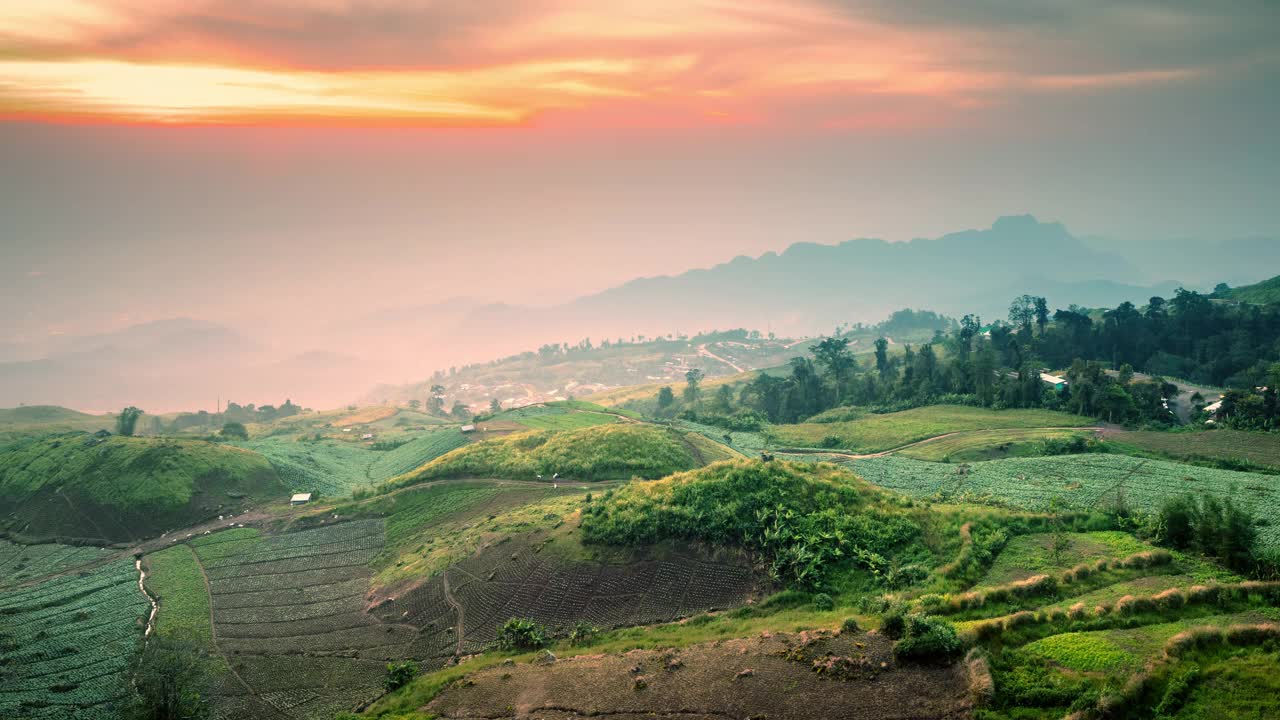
pixel 300 499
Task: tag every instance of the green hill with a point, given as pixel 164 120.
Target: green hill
pixel 49 418
pixel 122 488
pixel 600 452
pixel 1263 293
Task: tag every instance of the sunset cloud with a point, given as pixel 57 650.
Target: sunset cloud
pixel 512 62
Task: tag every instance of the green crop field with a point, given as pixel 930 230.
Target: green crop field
pixel 564 420
pixel 1259 448
pixel 414 454
pixel 120 488
pixel 66 643
pixel 974 445
pixel 747 443
pixel 22 563
pixel 876 433
pixel 175 581
pixel 1092 481
pixel 601 452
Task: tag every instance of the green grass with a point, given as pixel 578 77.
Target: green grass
pixel 1028 555
pixel 1258 448
pixel 1265 292
pixel 120 488
pixel 175 581
pixel 560 419
pixel 1078 482
pixel 327 467
pixel 876 433
pixel 602 452
pixel 1240 683
pixel 1084 651
pixel 975 445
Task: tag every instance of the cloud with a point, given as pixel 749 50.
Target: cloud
pixel 511 62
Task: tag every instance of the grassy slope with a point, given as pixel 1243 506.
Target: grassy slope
pixel 1254 447
pixel 876 433
pixel 122 488
pixel 618 396
pixel 1265 292
pixel 594 453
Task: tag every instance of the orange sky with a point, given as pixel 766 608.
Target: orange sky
pixel 806 63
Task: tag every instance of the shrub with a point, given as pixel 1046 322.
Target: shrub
pixel 1171 599
pixel 583 633
pixel 522 634
pixel 823 601
pixel 894 622
pixel 399 675
pixel 928 638
pixel 850 625
pixel 982 687
pixel 234 431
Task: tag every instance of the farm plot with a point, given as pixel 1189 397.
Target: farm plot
pixel 24 563
pixel 327 467
pixel 66 644
pixel 414 454
pixel 520 580
pixel 1260 448
pixel 288 615
pixel 748 443
pixel 1080 481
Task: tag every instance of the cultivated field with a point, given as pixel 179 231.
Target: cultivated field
pixel 975 445
pixel 66 643
pixel 23 563
pixel 877 433
pixel 1080 482
pixel 544 417
pixel 1259 448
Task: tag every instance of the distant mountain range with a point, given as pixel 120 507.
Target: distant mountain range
pixel 807 289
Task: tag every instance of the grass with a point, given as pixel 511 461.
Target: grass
pixel 602 452
pixel 877 433
pixel 1028 555
pixel 556 417
pixel 414 454
pixel 978 445
pixel 1265 292
pixel 175 581
pixel 1234 684
pixel 1258 448
pixel 120 488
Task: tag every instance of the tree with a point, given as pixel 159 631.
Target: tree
pixel 414 404
pixel 435 401
pixel 692 388
pixel 234 431
pixel 170 679
pixel 882 356
pixel 495 406
pixel 127 420
pixel 665 397
pixel 460 411
pixel 399 674
pixel 833 355
pixel 1041 311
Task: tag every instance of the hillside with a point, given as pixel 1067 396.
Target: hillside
pixel 120 488
pixel 600 452
pixel 1266 292
pixel 37 419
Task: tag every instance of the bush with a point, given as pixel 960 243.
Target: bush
pixel 234 431
pixel 850 625
pixel 522 634
pixel 928 638
pixel 583 633
pixel 399 674
pixel 894 622
pixel 823 601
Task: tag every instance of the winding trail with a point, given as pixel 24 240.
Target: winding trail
pixel 704 352
pixel 155 606
pixel 457 607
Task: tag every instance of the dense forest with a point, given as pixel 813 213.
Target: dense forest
pixel 1114 362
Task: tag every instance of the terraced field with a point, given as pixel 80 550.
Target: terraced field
pixel 1081 482
pixel 1259 448
pixel 977 445
pixel 288 615
pixel 66 644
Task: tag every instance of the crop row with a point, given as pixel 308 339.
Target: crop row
pixel 414 454
pixel 68 643
pixel 1080 482
pixel 22 562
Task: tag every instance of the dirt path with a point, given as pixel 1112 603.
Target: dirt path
pixel 917 443
pixel 704 352
pixel 457 607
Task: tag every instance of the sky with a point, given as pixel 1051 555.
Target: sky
pixel 282 163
